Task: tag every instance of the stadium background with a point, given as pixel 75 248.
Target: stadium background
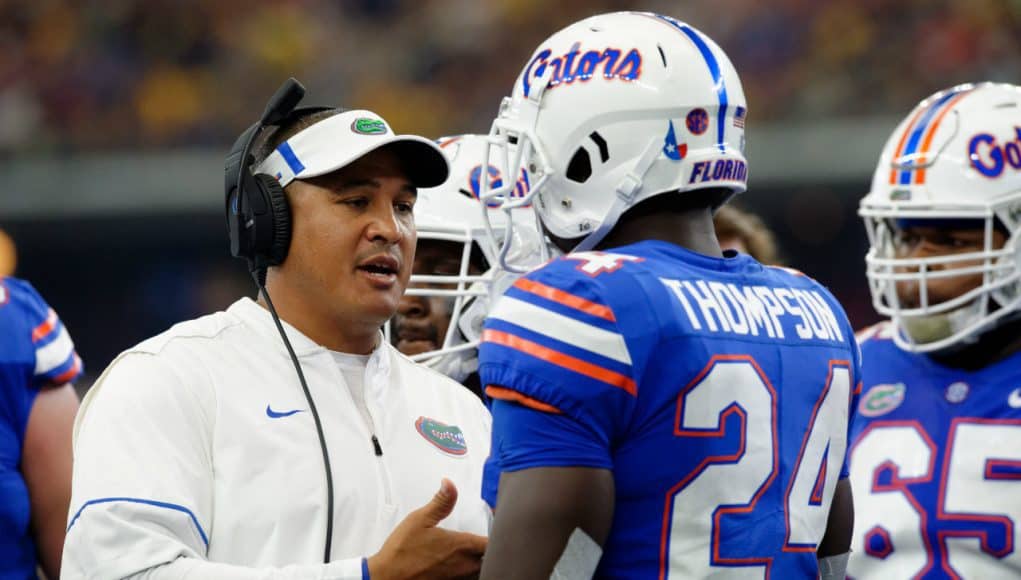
pixel 115 116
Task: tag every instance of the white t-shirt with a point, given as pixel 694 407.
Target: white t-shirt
pixel 352 367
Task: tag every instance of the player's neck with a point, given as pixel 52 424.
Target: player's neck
pixel 991 347
pixel 691 229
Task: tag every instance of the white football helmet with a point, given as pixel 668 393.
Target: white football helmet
pixel 615 109
pixel 957 156
pixel 452 213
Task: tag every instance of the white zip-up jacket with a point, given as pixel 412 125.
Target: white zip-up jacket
pixel 190 460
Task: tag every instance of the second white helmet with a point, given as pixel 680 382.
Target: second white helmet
pixel 466 282
pixel 955 159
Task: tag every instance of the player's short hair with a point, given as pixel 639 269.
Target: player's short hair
pixel 272 137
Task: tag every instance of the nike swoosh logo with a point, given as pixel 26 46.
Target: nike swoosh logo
pixel 276 415
pixel 1014 400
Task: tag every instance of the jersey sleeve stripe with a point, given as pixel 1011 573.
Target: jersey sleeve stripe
pixel 494 392
pixel 70 374
pixel 54 354
pixel 565 298
pixel 558 308
pixel 40 332
pixel 579 334
pixel 553 343
pixel 560 359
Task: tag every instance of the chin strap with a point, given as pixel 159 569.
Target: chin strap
pixel 627 190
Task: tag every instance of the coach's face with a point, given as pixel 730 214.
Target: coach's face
pixel 353 241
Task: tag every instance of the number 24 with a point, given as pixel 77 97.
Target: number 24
pixel 734 483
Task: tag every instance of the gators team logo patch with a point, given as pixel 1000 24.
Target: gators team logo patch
pixel 367 126
pixel 447 438
pixel 881 399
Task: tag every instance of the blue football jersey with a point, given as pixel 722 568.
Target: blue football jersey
pixel 935 466
pixel 718 391
pixel 35 350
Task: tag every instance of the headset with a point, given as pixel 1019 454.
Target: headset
pixel 259 227
pixel 258 216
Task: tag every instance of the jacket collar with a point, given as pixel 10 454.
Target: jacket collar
pixel 257 318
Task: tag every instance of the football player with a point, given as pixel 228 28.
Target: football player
pixel 936 451
pixel 661 408
pixel 38 365
pixel 439 320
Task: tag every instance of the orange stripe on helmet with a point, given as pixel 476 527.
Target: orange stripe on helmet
pixel 920 173
pixel 903 139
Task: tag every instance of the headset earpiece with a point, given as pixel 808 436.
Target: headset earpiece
pixel 258 215
pixel 280 220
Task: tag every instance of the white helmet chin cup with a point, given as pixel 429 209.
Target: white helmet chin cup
pixel 956 156
pixel 453 213
pixel 613 110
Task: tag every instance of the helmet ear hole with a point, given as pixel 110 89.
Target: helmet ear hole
pixel 580 167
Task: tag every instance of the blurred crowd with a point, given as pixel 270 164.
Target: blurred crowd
pixel 115 74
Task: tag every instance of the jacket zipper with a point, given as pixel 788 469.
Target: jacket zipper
pixel 377 450
pixel 384 474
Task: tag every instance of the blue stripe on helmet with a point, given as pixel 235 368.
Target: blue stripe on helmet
pixel 292 160
pixel 916 135
pixel 714 70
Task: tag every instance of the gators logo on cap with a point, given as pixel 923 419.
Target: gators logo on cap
pixel 881 399
pixel 367 126
pixel 447 438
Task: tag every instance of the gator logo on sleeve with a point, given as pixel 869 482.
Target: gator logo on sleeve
pixel 446 438
pixel 881 399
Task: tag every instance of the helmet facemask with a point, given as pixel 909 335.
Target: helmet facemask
pixel 439 320
pixel 924 322
pixel 436 299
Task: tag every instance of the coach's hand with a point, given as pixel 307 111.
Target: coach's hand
pixel 418 549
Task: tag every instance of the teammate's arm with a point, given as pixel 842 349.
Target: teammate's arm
pixel 835 546
pixel 839 525
pixel 46 466
pixel 562 383
pixel 550 503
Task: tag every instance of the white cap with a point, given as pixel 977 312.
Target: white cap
pixel 337 141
